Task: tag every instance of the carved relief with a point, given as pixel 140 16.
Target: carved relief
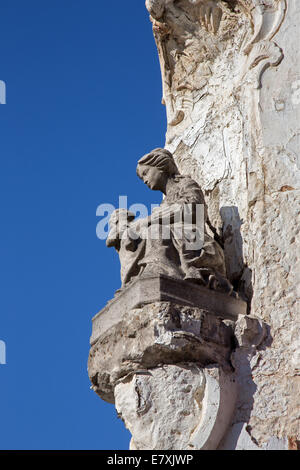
pixel 196 403
pixel 192 34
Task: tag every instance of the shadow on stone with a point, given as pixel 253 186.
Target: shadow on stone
pixel 237 270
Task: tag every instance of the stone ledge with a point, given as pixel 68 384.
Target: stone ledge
pixel 162 288
pixel 156 334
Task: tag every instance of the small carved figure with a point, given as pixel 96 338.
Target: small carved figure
pixel 126 242
pixel 170 241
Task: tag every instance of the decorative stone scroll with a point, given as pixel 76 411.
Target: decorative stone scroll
pixel 196 38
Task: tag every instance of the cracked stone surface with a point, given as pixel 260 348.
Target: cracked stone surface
pixel 180 406
pixel 163 394
pixel 158 333
pixel 231 86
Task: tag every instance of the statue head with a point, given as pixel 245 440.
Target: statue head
pixel 119 222
pixel 156 167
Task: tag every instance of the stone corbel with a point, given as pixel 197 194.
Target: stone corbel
pixel 166 364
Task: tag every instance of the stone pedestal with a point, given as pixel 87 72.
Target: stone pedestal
pixel 166 363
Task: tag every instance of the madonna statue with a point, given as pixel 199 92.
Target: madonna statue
pixel 173 240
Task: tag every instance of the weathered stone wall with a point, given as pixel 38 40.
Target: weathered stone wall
pixel 231 85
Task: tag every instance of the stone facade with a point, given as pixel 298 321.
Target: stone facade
pixel 192 366
pixel 231 84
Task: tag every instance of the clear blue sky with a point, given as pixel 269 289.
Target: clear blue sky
pixel 83 104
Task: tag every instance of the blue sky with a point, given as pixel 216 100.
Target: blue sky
pixel 83 104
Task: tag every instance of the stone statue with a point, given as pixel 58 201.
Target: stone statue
pixel 171 240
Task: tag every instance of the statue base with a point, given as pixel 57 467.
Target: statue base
pixel 161 352
pixel 162 288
